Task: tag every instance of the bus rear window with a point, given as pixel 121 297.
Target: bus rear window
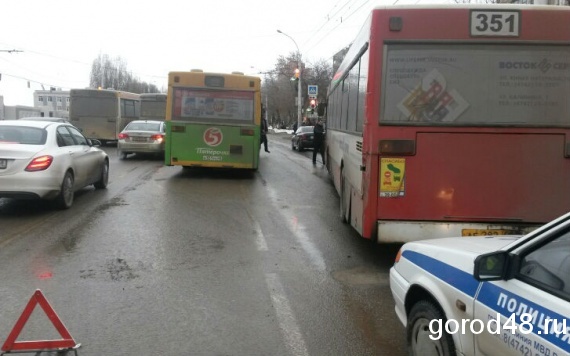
pixel 213 105
pixel 477 85
pixel 94 107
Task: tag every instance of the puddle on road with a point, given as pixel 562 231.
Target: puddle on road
pixel 361 276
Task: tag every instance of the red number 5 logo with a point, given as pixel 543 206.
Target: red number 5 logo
pixel 213 136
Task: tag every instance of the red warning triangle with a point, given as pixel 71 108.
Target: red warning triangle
pixel 38 298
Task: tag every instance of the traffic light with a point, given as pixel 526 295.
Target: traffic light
pixel 313 103
pixel 297 73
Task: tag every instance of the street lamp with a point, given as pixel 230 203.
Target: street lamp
pixel 299 121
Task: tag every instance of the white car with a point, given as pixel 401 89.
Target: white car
pixel 48 160
pixel 486 295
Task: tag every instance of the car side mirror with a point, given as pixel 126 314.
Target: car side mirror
pixel 491 266
pixel 94 142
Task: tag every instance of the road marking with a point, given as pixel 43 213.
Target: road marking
pixel 293 338
pixel 260 241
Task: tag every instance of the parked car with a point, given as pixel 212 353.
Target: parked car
pixel 142 136
pixel 492 295
pixel 48 160
pixel 302 138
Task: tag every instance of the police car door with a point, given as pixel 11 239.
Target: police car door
pixel 534 305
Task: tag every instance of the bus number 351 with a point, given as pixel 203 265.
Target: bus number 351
pixel 495 23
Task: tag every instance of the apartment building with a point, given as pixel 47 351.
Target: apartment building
pixel 52 103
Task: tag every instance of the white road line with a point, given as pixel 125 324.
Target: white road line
pixel 293 338
pixel 260 241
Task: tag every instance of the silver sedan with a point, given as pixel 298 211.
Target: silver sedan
pixel 142 136
pixel 48 160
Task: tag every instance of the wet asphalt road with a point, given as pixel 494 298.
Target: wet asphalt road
pixel 174 262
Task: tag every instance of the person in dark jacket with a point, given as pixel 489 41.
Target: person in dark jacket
pixel 263 131
pixel 319 141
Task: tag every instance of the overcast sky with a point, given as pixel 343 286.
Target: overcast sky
pixel 59 39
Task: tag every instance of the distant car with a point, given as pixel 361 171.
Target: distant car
pixel 49 119
pixel 48 160
pixel 142 136
pixel 492 295
pixel 302 138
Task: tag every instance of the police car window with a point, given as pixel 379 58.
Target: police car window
pixel 549 266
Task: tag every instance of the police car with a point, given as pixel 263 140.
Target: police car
pixel 502 295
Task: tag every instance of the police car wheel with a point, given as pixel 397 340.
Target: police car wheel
pixel 418 332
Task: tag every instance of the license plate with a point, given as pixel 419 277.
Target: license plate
pixel 3 163
pixel 488 232
pixel 138 139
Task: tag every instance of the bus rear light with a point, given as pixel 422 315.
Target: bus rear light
pixel 39 164
pixel 398 147
pixel 123 136
pixel 247 132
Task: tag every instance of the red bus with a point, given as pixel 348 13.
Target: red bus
pixel 452 121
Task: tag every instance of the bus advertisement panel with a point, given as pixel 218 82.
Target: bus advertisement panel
pixel 102 114
pixel 452 121
pixel 213 120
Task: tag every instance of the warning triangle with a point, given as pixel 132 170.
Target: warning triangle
pixel 38 298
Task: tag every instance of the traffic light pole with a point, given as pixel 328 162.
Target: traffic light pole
pixel 299 106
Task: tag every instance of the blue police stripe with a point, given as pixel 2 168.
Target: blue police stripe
pixel 489 296
pixel 451 275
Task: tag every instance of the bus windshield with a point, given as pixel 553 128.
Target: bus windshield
pixel 213 105
pixel 525 85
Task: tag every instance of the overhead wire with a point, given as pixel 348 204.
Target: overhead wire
pixel 343 20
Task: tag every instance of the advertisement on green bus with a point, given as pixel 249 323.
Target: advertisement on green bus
pixel 212 128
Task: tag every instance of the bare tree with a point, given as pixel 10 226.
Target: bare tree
pixel 279 87
pixel 113 73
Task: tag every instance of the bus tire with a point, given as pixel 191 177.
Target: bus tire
pixel 418 332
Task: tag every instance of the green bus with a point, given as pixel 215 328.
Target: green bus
pixel 213 120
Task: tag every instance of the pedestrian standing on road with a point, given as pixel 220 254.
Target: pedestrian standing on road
pixel 263 130
pixel 319 141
